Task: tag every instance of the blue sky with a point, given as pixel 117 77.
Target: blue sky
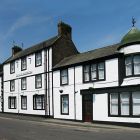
pixel 95 23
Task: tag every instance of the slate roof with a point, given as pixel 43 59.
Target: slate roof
pixel 33 49
pixel 87 56
pixel 1 69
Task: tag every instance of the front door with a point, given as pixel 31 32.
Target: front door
pixel 88 108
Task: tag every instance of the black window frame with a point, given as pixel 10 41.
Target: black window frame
pixel 132 63
pixel 119 106
pixel 22 83
pixel 9 102
pixel 22 59
pixel 42 102
pixel 12 63
pixel 36 81
pixel 39 52
pixel 97 72
pixel 11 85
pixel 23 97
pixel 61 83
pixel 61 96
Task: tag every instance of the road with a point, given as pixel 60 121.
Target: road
pixel 14 129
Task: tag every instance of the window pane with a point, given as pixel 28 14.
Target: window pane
pixel 12 102
pixel 124 103
pixel 101 70
pixel 93 72
pixel 65 104
pixel 23 63
pixel 64 76
pixel 23 102
pixel 38 80
pixel 136 64
pixel 86 73
pixel 12 67
pixel 128 66
pixel 39 102
pixel 114 104
pixel 38 59
pixel 12 85
pixel 136 103
pixel 23 83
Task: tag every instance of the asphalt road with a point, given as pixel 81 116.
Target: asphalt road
pixel 12 129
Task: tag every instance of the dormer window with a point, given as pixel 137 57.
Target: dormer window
pixel 132 65
pixel 23 64
pixel 38 59
pixel 12 67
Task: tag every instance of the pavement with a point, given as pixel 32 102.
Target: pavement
pixel 59 122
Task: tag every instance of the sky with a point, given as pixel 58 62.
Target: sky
pixel 95 23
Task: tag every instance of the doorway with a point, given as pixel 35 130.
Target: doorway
pixel 87 107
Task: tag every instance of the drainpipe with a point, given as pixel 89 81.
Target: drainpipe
pixel 74 96
pixel 45 68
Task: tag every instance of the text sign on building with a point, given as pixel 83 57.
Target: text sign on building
pixel 23 74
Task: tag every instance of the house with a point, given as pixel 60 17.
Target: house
pixel 28 76
pixel 53 79
pixel 102 85
pixel 1 88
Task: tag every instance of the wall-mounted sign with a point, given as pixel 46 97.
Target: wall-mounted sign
pixel 23 74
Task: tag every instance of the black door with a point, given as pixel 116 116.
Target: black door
pixel 88 108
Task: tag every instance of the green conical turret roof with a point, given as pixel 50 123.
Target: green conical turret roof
pixel 132 36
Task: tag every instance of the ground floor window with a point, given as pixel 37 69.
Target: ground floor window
pixel 65 104
pixel 24 102
pixel 124 104
pixel 12 102
pixel 38 102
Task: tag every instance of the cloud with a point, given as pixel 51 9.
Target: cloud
pixel 24 21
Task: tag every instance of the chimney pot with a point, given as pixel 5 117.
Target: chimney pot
pixel 64 30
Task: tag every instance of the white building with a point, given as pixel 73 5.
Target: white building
pixel 1 88
pixel 53 79
pixel 28 82
pixel 102 85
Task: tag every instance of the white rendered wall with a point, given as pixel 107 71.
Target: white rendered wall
pixel 111 73
pixel 132 49
pixel 0 94
pixel 30 77
pixel 100 110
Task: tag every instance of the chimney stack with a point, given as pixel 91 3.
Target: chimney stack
pixel 64 30
pixel 15 50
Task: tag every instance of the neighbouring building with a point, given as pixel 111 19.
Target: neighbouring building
pixel 102 85
pixel 28 76
pixel 1 88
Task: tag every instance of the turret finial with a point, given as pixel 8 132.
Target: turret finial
pixel 133 22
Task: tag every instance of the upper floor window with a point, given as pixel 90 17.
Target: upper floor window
pixel 12 67
pixel 64 77
pixel 38 59
pixel 94 72
pixel 12 85
pixel 23 83
pixel 132 65
pixel 38 81
pixel 23 64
